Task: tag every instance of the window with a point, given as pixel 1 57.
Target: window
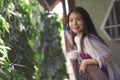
pixel 112 24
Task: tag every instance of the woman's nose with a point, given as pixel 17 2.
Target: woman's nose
pixel 74 22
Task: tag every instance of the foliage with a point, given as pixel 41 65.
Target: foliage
pixel 52 59
pixel 7 71
pixel 23 24
pixel 16 30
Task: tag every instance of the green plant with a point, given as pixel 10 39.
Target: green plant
pixel 7 71
pixel 52 59
pixel 22 24
pixel 17 30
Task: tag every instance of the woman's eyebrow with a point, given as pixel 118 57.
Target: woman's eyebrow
pixel 70 18
pixel 78 17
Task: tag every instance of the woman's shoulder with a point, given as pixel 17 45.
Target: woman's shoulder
pixel 92 37
pixel 88 38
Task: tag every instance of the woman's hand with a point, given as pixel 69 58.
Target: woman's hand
pixel 85 63
pixel 83 66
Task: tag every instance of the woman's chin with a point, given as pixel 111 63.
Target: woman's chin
pixel 75 31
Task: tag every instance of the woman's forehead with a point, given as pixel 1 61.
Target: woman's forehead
pixel 75 14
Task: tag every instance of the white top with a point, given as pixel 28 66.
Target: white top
pixel 97 50
pixel 94 47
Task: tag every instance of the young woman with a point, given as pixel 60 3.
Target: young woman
pixel 90 46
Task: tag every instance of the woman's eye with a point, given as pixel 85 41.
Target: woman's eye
pixel 70 20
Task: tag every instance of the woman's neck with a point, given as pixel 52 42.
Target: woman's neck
pixel 80 34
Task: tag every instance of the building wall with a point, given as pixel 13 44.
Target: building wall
pixel 97 10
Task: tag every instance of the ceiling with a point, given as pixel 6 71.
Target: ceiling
pixel 49 4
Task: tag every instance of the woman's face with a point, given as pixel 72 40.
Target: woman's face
pixel 76 22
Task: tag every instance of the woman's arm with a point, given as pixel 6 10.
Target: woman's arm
pixel 86 62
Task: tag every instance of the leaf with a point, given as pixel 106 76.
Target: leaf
pixel 4 24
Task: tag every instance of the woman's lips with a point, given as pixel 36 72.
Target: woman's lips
pixel 76 28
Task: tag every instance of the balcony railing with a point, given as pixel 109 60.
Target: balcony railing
pixel 93 70
pixel 96 73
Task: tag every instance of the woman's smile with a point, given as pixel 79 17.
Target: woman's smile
pixel 76 28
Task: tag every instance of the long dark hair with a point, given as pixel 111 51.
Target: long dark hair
pixel 88 28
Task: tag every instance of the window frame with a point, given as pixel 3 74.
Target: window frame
pixel 103 26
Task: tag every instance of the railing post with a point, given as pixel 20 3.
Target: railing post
pixel 72 56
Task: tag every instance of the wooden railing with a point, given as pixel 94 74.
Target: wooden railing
pixel 94 71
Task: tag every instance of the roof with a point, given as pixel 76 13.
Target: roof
pixel 49 4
